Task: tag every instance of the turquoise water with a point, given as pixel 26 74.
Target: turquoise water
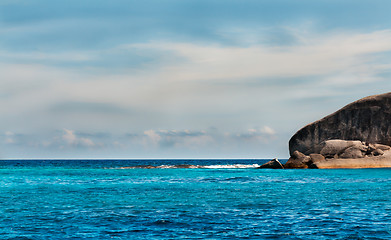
pixel 102 200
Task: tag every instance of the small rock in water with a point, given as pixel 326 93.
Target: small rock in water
pixel 185 166
pixel 273 164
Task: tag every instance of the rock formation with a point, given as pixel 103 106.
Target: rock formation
pixel 358 135
pixel 298 160
pixel 273 164
pixel 367 120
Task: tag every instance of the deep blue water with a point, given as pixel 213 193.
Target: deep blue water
pixel 102 200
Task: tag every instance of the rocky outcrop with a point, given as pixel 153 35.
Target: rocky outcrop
pixel 298 160
pixel 356 136
pixel 273 164
pixel 331 148
pixel 383 161
pixel 367 120
pixel 338 149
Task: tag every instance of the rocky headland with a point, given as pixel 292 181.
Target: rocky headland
pixel 356 136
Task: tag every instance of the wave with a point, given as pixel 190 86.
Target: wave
pixel 233 166
pixel 228 166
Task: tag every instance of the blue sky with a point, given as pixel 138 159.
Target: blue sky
pixel 181 78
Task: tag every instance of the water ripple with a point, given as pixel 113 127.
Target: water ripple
pixel 199 203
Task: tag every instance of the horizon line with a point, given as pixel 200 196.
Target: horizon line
pixel 137 158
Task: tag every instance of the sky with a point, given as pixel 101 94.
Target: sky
pixel 182 78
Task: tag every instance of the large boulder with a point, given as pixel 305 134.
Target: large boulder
pixel 331 148
pixel 352 152
pixel 367 120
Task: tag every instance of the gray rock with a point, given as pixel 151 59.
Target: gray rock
pixel 295 163
pixel 330 148
pixel 368 120
pixel 382 147
pixel 352 152
pixel 378 152
pixel 273 164
pixel 298 160
pixel 371 148
pixel 317 157
pixel 298 155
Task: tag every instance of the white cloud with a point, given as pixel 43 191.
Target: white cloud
pixel 208 87
pixel 71 139
pixel 86 142
pixel 263 135
pixel 152 136
pixel 180 139
pixel 317 55
pixel 151 143
pixel 196 142
pixel 42 56
pixel 202 140
pixel 69 136
pixel 9 137
pixel 267 130
pixel 329 57
pixel 9 133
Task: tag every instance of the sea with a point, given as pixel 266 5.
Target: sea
pixel 190 199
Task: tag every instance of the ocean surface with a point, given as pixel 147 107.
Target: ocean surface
pixel 199 199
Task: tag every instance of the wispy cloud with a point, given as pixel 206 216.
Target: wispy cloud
pixel 9 137
pixel 148 144
pixel 314 56
pixel 71 139
pixel 318 58
pixel 68 140
pixel 150 69
pixel 263 135
pixel 180 139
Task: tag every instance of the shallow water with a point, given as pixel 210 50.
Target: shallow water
pixel 104 200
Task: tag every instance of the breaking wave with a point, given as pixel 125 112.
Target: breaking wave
pixel 228 166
